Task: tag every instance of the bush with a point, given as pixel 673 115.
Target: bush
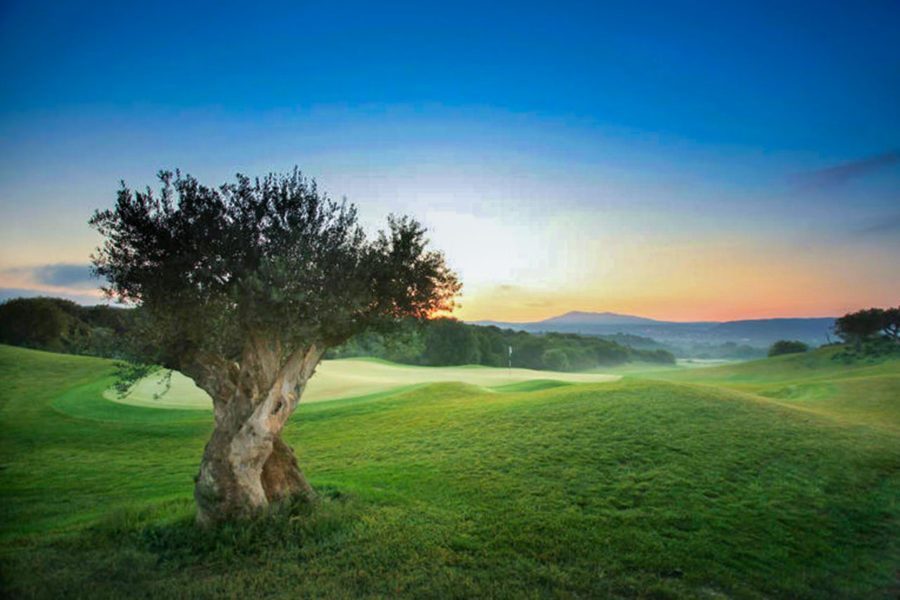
pixel 787 347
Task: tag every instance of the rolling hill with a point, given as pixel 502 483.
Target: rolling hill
pixel 770 479
pixel 349 378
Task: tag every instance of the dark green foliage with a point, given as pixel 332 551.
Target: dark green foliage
pixel 871 349
pixel 63 326
pixel 787 347
pixel 663 357
pixel 891 323
pixel 270 257
pixel 37 323
pixel 858 327
pixel 443 342
pixel 556 359
pixel 127 374
pixel 637 342
pixel 493 345
pixel 403 345
pixel 449 342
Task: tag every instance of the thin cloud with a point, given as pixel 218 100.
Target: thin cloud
pixel 841 174
pixel 64 275
pixel 888 226
pixel 84 299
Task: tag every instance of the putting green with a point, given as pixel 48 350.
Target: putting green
pixel 347 378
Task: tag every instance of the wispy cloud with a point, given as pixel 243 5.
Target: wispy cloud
pixel 886 226
pixel 843 173
pixel 63 275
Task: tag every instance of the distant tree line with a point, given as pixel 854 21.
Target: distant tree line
pixel 446 341
pixel 692 349
pixel 725 350
pixel 869 332
pixel 60 325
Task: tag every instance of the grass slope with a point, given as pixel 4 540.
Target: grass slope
pixel 350 378
pixel 632 489
pixel 855 392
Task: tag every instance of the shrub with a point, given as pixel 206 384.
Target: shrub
pixel 787 347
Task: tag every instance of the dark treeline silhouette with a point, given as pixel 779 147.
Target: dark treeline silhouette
pixel 446 341
pixel 871 331
pixel 60 325
pixel 868 324
pixel 787 347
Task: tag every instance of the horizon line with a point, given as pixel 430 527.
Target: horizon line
pixel 475 321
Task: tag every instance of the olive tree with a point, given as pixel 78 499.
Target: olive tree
pixel 242 288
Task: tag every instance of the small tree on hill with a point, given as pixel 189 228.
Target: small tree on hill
pixel 242 288
pixel 862 325
pixel 787 347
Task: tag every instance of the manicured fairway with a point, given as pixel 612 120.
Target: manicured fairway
pixel 715 486
pixel 347 378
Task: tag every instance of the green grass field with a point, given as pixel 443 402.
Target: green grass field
pixel 771 479
pixel 350 378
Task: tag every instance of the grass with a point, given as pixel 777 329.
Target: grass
pixel 714 484
pixel 854 392
pixel 351 378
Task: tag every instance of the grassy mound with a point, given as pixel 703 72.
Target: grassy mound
pixel 632 489
pixel 351 378
pixel 854 391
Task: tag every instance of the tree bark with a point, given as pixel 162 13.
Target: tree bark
pixel 246 465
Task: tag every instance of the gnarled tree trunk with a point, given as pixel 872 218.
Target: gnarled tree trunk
pixel 246 465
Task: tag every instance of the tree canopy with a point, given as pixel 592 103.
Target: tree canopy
pixel 270 256
pixel 861 325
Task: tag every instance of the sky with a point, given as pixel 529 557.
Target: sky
pixel 679 161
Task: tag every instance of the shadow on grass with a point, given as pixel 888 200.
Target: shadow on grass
pixel 287 527
pixel 160 551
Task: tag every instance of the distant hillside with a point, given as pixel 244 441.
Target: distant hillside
pixel 759 333
pixel 589 318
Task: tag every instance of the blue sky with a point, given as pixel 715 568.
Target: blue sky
pixel 651 158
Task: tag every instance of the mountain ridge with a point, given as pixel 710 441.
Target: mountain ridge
pixel 759 332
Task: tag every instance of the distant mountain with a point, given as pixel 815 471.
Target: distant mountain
pixel 760 333
pixel 592 318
